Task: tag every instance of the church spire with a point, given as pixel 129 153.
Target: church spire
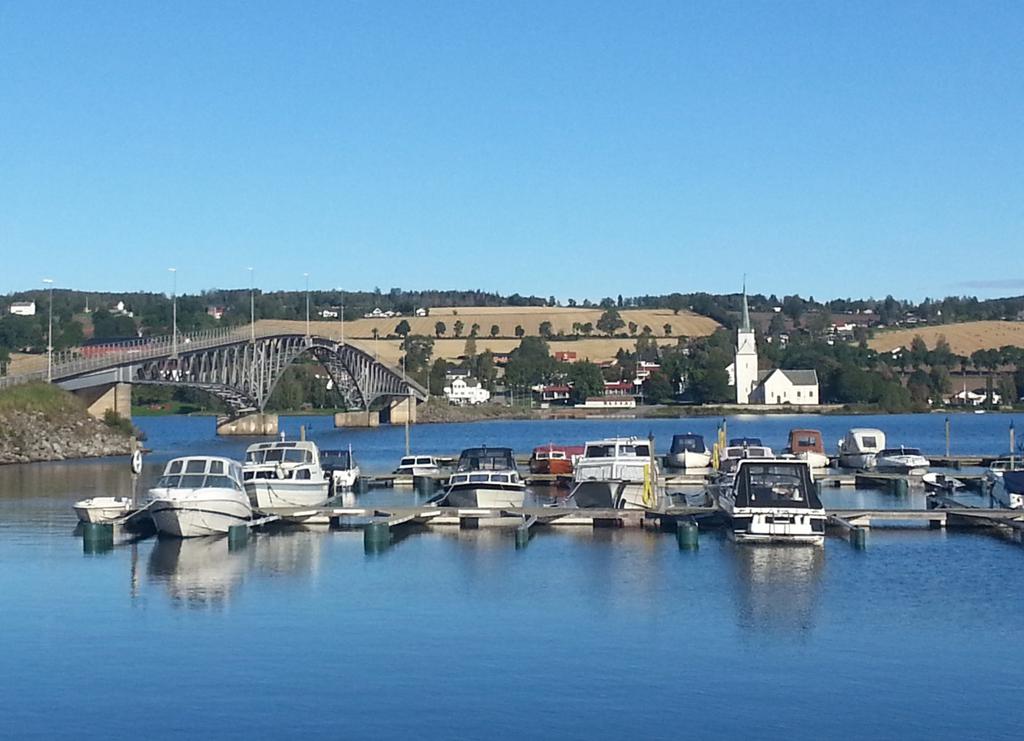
pixel 746 312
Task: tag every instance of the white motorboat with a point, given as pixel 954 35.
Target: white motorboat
pixel 284 473
pixel 617 473
pixel 418 465
pixel 807 445
pixel 733 454
pixel 942 482
pixel 771 500
pixel 485 477
pixel 199 495
pixel 907 461
pixel 860 446
pixel 340 467
pixel 1009 490
pixel 103 509
pixel 688 451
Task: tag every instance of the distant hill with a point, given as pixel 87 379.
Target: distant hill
pixel 963 338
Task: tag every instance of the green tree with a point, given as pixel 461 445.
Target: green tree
pixel 545 330
pixel 438 372
pixel 586 380
pixel 658 388
pixel 668 329
pixel 530 363
pixel 474 330
pixel 402 328
pixel 418 350
pixel 610 321
pixel 632 327
pixel 676 302
pixel 470 349
pixel 485 370
pixel 520 331
pixel 459 326
pixel 440 328
pixel 495 330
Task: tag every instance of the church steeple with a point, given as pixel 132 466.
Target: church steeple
pixel 746 311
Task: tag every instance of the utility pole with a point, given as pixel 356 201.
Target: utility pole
pixel 307 304
pixel 252 309
pixel 49 333
pixel 174 311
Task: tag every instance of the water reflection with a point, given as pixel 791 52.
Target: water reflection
pixel 777 586
pixel 201 573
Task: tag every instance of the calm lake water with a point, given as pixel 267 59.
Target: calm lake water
pixel 456 634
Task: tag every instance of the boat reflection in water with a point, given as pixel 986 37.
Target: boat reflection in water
pixel 777 587
pixel 201 573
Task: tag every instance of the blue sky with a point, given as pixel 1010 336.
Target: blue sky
pixel 569 148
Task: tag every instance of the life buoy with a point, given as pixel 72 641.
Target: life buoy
pixel 136 462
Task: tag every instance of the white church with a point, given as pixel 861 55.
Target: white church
pixel 775 386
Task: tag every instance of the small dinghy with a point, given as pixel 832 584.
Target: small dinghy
pixel 103 509
pixel 942 482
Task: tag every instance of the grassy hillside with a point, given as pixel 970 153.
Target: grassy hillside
pixel 40 397
pixel 963 339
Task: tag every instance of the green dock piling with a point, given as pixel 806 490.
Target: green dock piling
pixel 900 487
pixel 687 534
pixel 376 537
pixel 238 537
pixel 859 537
pixel 97 537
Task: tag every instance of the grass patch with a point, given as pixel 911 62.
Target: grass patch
pixel 40 397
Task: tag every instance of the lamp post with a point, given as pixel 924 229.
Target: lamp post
pixel 307 304
pixel 174 311
pixel 49 333
pixel 252 308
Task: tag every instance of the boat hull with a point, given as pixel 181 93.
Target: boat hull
pixel 814 460
pixel 268 493
pixel 611 495
pixel 345 479
pixel 688 459
pixel 777 527
pixel 102 509
pixel 857 460
pixel 487 497
pixel 199 517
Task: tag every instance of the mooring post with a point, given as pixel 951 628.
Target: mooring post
pixel 425 485
pixel 238 537
pixel 687 533
pixel 376 536
pixel 900 487
pixel 859 537
pixel 97 537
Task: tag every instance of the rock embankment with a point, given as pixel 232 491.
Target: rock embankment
pixel 47 424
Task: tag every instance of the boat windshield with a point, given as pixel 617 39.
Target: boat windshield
pixel 279 455
pixel 899 451
pixel 776 485
pixel 688 443
pixel 486 459
pixel 197 481
pixel 608 450
pixel 336 458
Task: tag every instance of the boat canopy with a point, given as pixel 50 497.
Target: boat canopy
pixel 688 442
pixel 278 455
pixel 776 484
pixel 417 460
pixel 486 459
pixel 864 439
pixel 341 460
pixel 1014 481
pixel 741 441
pixel 631 448
pixel 806 440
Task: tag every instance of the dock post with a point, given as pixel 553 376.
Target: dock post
pixel 238 537
pixel 859 537
pixel 687 535
pixel 818 485
pixel 359 485
pixel 522 537
pixel 900 487
pixel 376 537
pixel 97 537
pixel 425 485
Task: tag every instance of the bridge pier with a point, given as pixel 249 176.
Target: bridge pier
pixel 402 410
pixel 357 419
pixel 116 397
pixel 253 425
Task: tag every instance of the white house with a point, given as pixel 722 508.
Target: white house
pixel 608 402
pixel 973 398
pixel 466 391
pixel 421 312
pixel 328 314
pixel 23 308
pixel 778 386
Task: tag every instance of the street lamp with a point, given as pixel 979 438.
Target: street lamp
pixel 252 308
pixel 307 304
pixel 174 311
pixel 49 333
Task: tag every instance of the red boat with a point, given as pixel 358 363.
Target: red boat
pixel 555 460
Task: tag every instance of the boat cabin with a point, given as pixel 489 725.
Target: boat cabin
pixel 775 483
pixel 863 440
pixel 337 460
pixel 618 448
pixel 688 443
pixel 410 462
pixel 739 442
pixel 294 452
pixel 890 452
pixel 486 459
pixel 806 441
pixel 199 472
pixel 484 477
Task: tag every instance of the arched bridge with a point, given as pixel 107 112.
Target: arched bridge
pixel 232 364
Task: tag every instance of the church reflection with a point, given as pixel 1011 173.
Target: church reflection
pixel 777 586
